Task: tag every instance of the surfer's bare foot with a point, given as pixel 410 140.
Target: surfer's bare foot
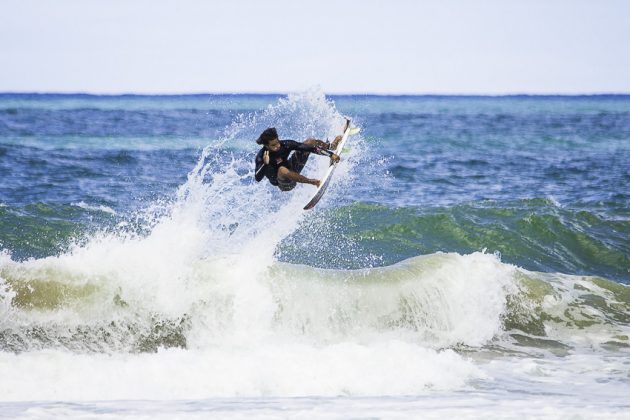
pixel 333 145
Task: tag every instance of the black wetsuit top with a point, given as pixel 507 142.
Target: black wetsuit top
pixel 281 158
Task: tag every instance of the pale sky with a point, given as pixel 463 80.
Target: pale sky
pixel 346 46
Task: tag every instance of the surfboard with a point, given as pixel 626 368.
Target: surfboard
pixel 331 169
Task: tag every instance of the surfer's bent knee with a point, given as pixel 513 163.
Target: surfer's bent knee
pixel 283 172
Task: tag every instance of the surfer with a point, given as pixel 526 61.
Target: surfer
pixel 282 168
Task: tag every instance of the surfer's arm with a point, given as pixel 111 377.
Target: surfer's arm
pixel 260 167
pixel 324 151
pixel 315 148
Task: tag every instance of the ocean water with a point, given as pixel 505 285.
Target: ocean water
pixel 470 259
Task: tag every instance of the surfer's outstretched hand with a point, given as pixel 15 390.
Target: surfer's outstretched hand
pixel 334 158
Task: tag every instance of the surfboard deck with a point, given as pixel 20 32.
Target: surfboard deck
pixel 331 169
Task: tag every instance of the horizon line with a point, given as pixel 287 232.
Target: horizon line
pixel 367 94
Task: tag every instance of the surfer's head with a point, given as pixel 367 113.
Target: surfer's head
pixel 269 139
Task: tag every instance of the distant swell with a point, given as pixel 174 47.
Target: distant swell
pixel 536 234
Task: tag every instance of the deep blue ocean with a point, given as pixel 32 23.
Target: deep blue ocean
pixel 485 237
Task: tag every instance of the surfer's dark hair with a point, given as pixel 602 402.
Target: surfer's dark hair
pixel 267 135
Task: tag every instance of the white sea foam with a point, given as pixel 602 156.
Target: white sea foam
pixel 268 369
pixel 291 331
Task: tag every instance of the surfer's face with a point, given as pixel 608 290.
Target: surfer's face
pixel 274 145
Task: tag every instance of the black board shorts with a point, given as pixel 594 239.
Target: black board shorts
pixel 296 163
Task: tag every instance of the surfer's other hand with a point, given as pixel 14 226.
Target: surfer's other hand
pixel 266 157
pixel 334 158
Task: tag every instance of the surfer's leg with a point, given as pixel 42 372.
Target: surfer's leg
pixel 297 161
pixel 286 177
